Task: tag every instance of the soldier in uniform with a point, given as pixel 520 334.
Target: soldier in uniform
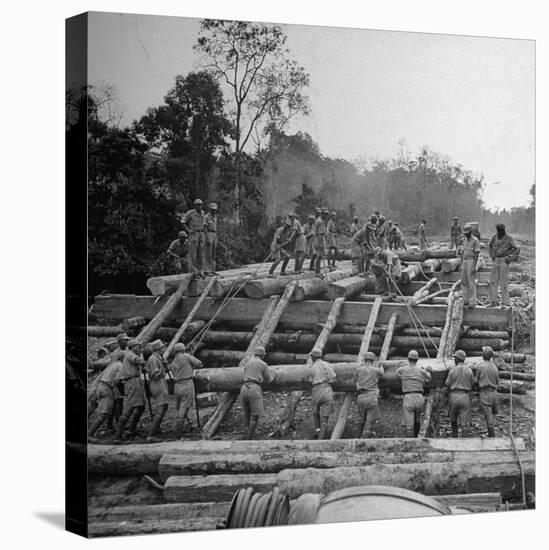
pixel 178 250
pixel 386 268
pixel 321 376
pixel 122 340
pixel 320 238
pixel 412 378
pixel 210 239
pixel 355 226
pixel 381 235
pixel 331 234
pixel 281 240
pixel 398 237
pixel 366 239
pixel 156 368
pixel 134 396
pixel 182 369
pixel 367 376
pixel 487 379
pixel 118 355
pixel 310 248
pixel 256 373
pixel 503 250
pixel 469 250
pixel 297 236
pixel 423 235
pixel 194 225
pixel 455 233
pixel 460 382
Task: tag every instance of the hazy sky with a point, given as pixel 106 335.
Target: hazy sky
pixel 471 99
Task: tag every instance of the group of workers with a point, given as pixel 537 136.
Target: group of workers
pixel 135 375
pixel 194 251
pixel 461 380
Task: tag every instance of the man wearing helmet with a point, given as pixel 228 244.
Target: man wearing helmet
pixel 256 373
pixel 367 377
pixel 193 221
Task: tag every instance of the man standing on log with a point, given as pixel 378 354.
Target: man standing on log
pixel 470 250
pixel 156 369
pixel 423 235
pixel 367 377
pixel 321 376
pixel 366 239
pixel 134 396
pixel 178 250
pixel 194 225
pixel 455 234
pixel 381 234
pixel 487 379
pixel 331 232
pixel 182 369
pixel 297 236
pixel 281 240
pixel 412 378
pixel 256 373
pixel 210 239
pixel 319 238
pixel 503 250
pixel 460 382
pixel 310 248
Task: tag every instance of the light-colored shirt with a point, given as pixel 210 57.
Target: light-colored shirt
pixel 256 370
pixel 506 247
pixel 319 227
pixel 177 248
pixel 331 227
pixel 194 220
pixel 366 237
pixel 210 223
pixel 412 378
pixel 118 354
pixel 460 377
pixel 156 367
pixel 183 365
pixel 130 365
pixel 470 247
pixel 487 375
pixel 111 374
pixel 321 373
pixel 367 377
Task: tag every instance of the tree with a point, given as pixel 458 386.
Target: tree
pixel 189 129
pixel 265 85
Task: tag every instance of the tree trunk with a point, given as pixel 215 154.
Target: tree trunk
pixel 410 272
pixel 431 265
pixel 263 288
pixel 450 265
pixel 167 284
pixel 352 286
pixel 423 292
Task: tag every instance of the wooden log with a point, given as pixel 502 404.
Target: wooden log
pixel 423 292
pixel 426 478
pixel 167 284
pixel 522 376
pixel 188 320
pixel 431 265
pixel 517 386
pixel 220 358
pixel 286 419
pixel 148 332
pixel 125 528
pixel 132 324
pixel 95 331
pixel 441 253
pixel 309 288
pixel 137 459
pixel 514 357
pixel 409 273
pixel 476 333
pixel 304 314
pixel 222 285
pixel 262 288
pixel 167 333
pixel 387 341
pixel 451 264
pixel 207 464
pixel 411 255
pixel 351 286
pixel 475 502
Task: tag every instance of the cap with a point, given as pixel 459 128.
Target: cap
pixel 197 201
pixel 413 354
pixel 156 345
pixel 103 350
pixel 179 347
pixel 316 353
pixel 487 351
pixel 390 221
pixel 460 354
pixel 456 218
pixel 355 218
pixel 369 356
pixel 467 227
pixel 396 223
pixel 213 206
pixel 324 210
pixel 373 219
pixel 122 337
pixel 333 214
pixel 317 209
pixel 287 221
pixel 182 234
pixel 259 350
pixel 377 212
pixel 500 226
pixel 311 217
pixel 381 218
pixel 134 342
pixel 111 343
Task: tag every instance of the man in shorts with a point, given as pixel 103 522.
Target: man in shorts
pixel 321 376
pixel 366 379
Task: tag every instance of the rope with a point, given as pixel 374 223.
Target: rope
pixel 522 478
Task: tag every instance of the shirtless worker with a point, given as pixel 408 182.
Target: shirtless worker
pixel 413 379
pixel 156 369
pixel 182 370
pixel 256 373
pixel 178 250
pixel 460 382
pixel 469 251
pixel 321 376
pixel 367 377
pixel 487 379
pixel 134 396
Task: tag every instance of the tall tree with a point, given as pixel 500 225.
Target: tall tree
pixel 189 129
pixel 265 85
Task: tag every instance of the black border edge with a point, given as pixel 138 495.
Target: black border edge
pixel 76 295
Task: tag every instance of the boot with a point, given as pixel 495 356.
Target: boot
pixel 284 265
pixel 96 424
pixel 317 265
pixel 454 429
pixel 491 431
pixel 273 267
pixel 178 432
pixel 122 421
pixel 312 264
pixel 316 422
pixel 135 419
pixel 417 427
pixel 324 428
pixel 251 429
pixel 157 420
